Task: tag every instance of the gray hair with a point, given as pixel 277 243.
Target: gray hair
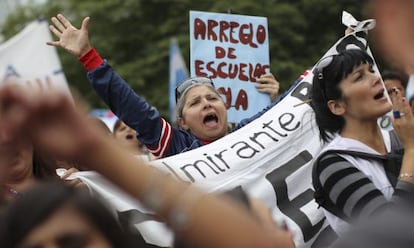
pixel 178 111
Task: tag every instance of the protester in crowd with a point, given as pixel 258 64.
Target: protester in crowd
pixel 23 168
pixel 201 112
pixel 394 79
pixel 394 36
pixel 348 98
pixel 127 137
pixel 23 165
pixel 18 174
pixel 190 213
pixel 55 215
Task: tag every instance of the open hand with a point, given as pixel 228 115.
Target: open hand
pixel 403 121
pixel 73 40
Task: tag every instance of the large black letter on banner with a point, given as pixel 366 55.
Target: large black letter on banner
pixel 302 91
pixel 134 216
pixel 291 208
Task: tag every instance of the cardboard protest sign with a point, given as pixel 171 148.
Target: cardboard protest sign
pixel 232 50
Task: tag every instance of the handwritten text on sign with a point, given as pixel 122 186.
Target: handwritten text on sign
pixel 232 50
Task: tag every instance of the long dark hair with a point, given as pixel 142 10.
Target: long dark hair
pixel 44 167
pixel 37 204
pixel 328 73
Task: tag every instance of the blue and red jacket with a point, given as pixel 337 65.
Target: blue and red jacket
pixel 159 136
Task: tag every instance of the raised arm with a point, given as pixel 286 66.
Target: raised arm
pixel 54 125
pixel 152 130
pixel 403 124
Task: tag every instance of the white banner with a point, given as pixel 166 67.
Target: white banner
pixel 26 57
pixel 271 159
pixel 154 232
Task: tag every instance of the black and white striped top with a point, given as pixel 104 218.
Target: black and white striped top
pixel 351 188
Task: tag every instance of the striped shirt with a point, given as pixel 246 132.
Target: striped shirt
pixel 356 187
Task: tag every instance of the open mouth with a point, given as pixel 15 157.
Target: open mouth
pixel 129 137
pixel 379 95
pixel 210 120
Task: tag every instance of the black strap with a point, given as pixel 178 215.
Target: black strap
pixel 391 162
pixel 396 144
pixel 392 165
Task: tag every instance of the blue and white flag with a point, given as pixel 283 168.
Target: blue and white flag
pixel 178 73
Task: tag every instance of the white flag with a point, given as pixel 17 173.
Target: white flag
pixel 26 57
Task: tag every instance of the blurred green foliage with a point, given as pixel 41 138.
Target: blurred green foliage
pixel 134 36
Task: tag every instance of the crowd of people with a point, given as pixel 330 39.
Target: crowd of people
pixel 197 125
pixel 363 177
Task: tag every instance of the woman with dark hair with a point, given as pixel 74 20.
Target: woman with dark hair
pixel 352 177
pixel 19 173
pixel 24 167
pixel 53 213
pixel 127 138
